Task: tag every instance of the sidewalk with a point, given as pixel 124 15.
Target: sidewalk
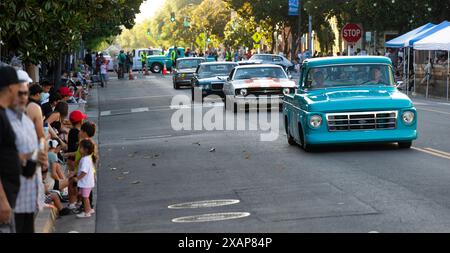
pixel 47 220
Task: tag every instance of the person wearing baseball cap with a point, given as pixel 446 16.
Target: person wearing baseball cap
pixel 76 118
pixel 65 92
pixel 10 169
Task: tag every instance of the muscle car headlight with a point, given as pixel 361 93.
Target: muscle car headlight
pixel 408 117
pixel 315 121
pixel 243 92
pixel 286 91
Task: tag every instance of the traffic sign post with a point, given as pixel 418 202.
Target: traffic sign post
pixel 257 37
pixel 351 33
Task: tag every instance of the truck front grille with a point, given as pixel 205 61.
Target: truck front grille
pixel 352 121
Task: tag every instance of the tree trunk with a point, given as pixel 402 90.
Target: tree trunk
pixel 33 72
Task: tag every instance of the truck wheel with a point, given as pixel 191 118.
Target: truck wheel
pixel 290 139
pixel 307 147
pixel 156 68
pixel 404 144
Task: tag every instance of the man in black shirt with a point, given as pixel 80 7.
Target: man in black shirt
pixel 47 108
pixel 9 157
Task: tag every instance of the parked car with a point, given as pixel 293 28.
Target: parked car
pixel 156 62
pixel 274 59
pixel 210 77
pixel 348 100
pixel 256 84
pixel 184 71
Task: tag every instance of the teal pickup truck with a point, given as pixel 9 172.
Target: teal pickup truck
pixel 156 62
pixel 348 100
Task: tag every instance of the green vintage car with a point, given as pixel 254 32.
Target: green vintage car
pixel 348 100
pixel 156 62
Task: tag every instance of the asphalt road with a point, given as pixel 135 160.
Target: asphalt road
pixel 280 188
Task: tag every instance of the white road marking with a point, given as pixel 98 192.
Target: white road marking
pixel 438 154
pixel 142 109
pixel 131 98
pixel 204 204
pixel 211 217
pixel 419 103
pixel 444 104
pixel 105 113
pixel 439 151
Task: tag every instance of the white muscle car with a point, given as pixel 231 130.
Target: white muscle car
pixel 256 84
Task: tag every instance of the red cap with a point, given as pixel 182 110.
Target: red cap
pixel 65 91
pixel 77 116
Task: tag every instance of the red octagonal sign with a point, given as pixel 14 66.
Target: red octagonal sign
pixel 351 33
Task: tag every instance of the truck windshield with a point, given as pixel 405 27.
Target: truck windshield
pixel 259 72
pixel 189 64
pixel 207 71
pixel 349 75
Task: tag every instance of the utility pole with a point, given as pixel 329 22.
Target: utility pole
pixel 299 26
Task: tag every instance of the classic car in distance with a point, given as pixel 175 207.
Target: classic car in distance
pixel 156 62
pixel 184 71
pixel 273 59
pixel 348 100
pixel 210 77
pixel 256 84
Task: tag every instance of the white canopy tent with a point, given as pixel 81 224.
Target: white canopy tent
pixel 440 40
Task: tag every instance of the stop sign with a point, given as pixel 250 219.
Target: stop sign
pixel 351 33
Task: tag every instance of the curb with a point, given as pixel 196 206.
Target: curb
pixel 46 220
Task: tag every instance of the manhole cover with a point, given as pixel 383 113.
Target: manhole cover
pixel 204 204
pixel 211 217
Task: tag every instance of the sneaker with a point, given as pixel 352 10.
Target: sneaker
pixel 83 215
pixel 92 211
pixel 72 206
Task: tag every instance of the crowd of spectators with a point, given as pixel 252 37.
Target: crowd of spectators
pixel 48 154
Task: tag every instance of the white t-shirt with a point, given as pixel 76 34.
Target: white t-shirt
pixel 87 166
pixel 104 69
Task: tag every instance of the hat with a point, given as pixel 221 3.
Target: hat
pixel 53 143
pixel 65 91
pixel 77 116
pixel 8 76
pixel 23 77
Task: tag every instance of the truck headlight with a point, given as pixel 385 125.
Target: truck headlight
pixel 286 91
pixel 243 92
pixel 408 117
pixel 315 121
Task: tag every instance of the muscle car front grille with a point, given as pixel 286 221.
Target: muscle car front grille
pixel 216 86
pixel 265 91
pixel 352 121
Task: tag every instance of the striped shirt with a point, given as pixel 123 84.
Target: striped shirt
pixel 31 194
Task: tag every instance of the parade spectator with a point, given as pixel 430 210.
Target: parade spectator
pixel 104 72
pixel 10 169
pixel 57 180
pixel 45 95
pixel 34 110
pixel 121 59
pixel 53 198
pixel 66 94
pixel 30 198
pixel 428 68
pixel 47 108
pixel 85 178
pixel 56 120
pixel 88 59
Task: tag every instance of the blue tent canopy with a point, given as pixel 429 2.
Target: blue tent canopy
pixel 428 32
pixel 402 41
